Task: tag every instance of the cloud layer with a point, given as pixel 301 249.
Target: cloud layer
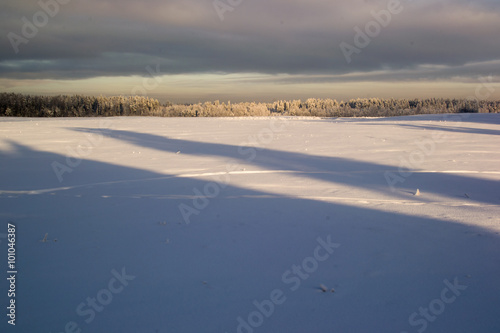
pixel 430 40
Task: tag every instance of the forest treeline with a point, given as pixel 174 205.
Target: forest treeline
pixel 19 105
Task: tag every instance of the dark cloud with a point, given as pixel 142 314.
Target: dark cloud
pixel 94 38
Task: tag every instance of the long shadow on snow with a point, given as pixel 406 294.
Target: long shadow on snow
pixel 490 119
pixel 336 170
pixel 481 118
pixel 454 129
pixel 234 252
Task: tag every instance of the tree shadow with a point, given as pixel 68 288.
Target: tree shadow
pixel 453 129
pixel 336 170
pixel 481 118
pixel 235 251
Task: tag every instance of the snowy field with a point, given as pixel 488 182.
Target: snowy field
pixel 156 225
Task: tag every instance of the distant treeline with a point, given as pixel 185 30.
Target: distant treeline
pixel 18 105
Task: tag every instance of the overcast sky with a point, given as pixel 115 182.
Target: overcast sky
pixel 251 49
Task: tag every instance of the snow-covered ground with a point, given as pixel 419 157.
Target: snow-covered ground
pixel 159 225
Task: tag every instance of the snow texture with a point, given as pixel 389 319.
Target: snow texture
pixel 245 225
